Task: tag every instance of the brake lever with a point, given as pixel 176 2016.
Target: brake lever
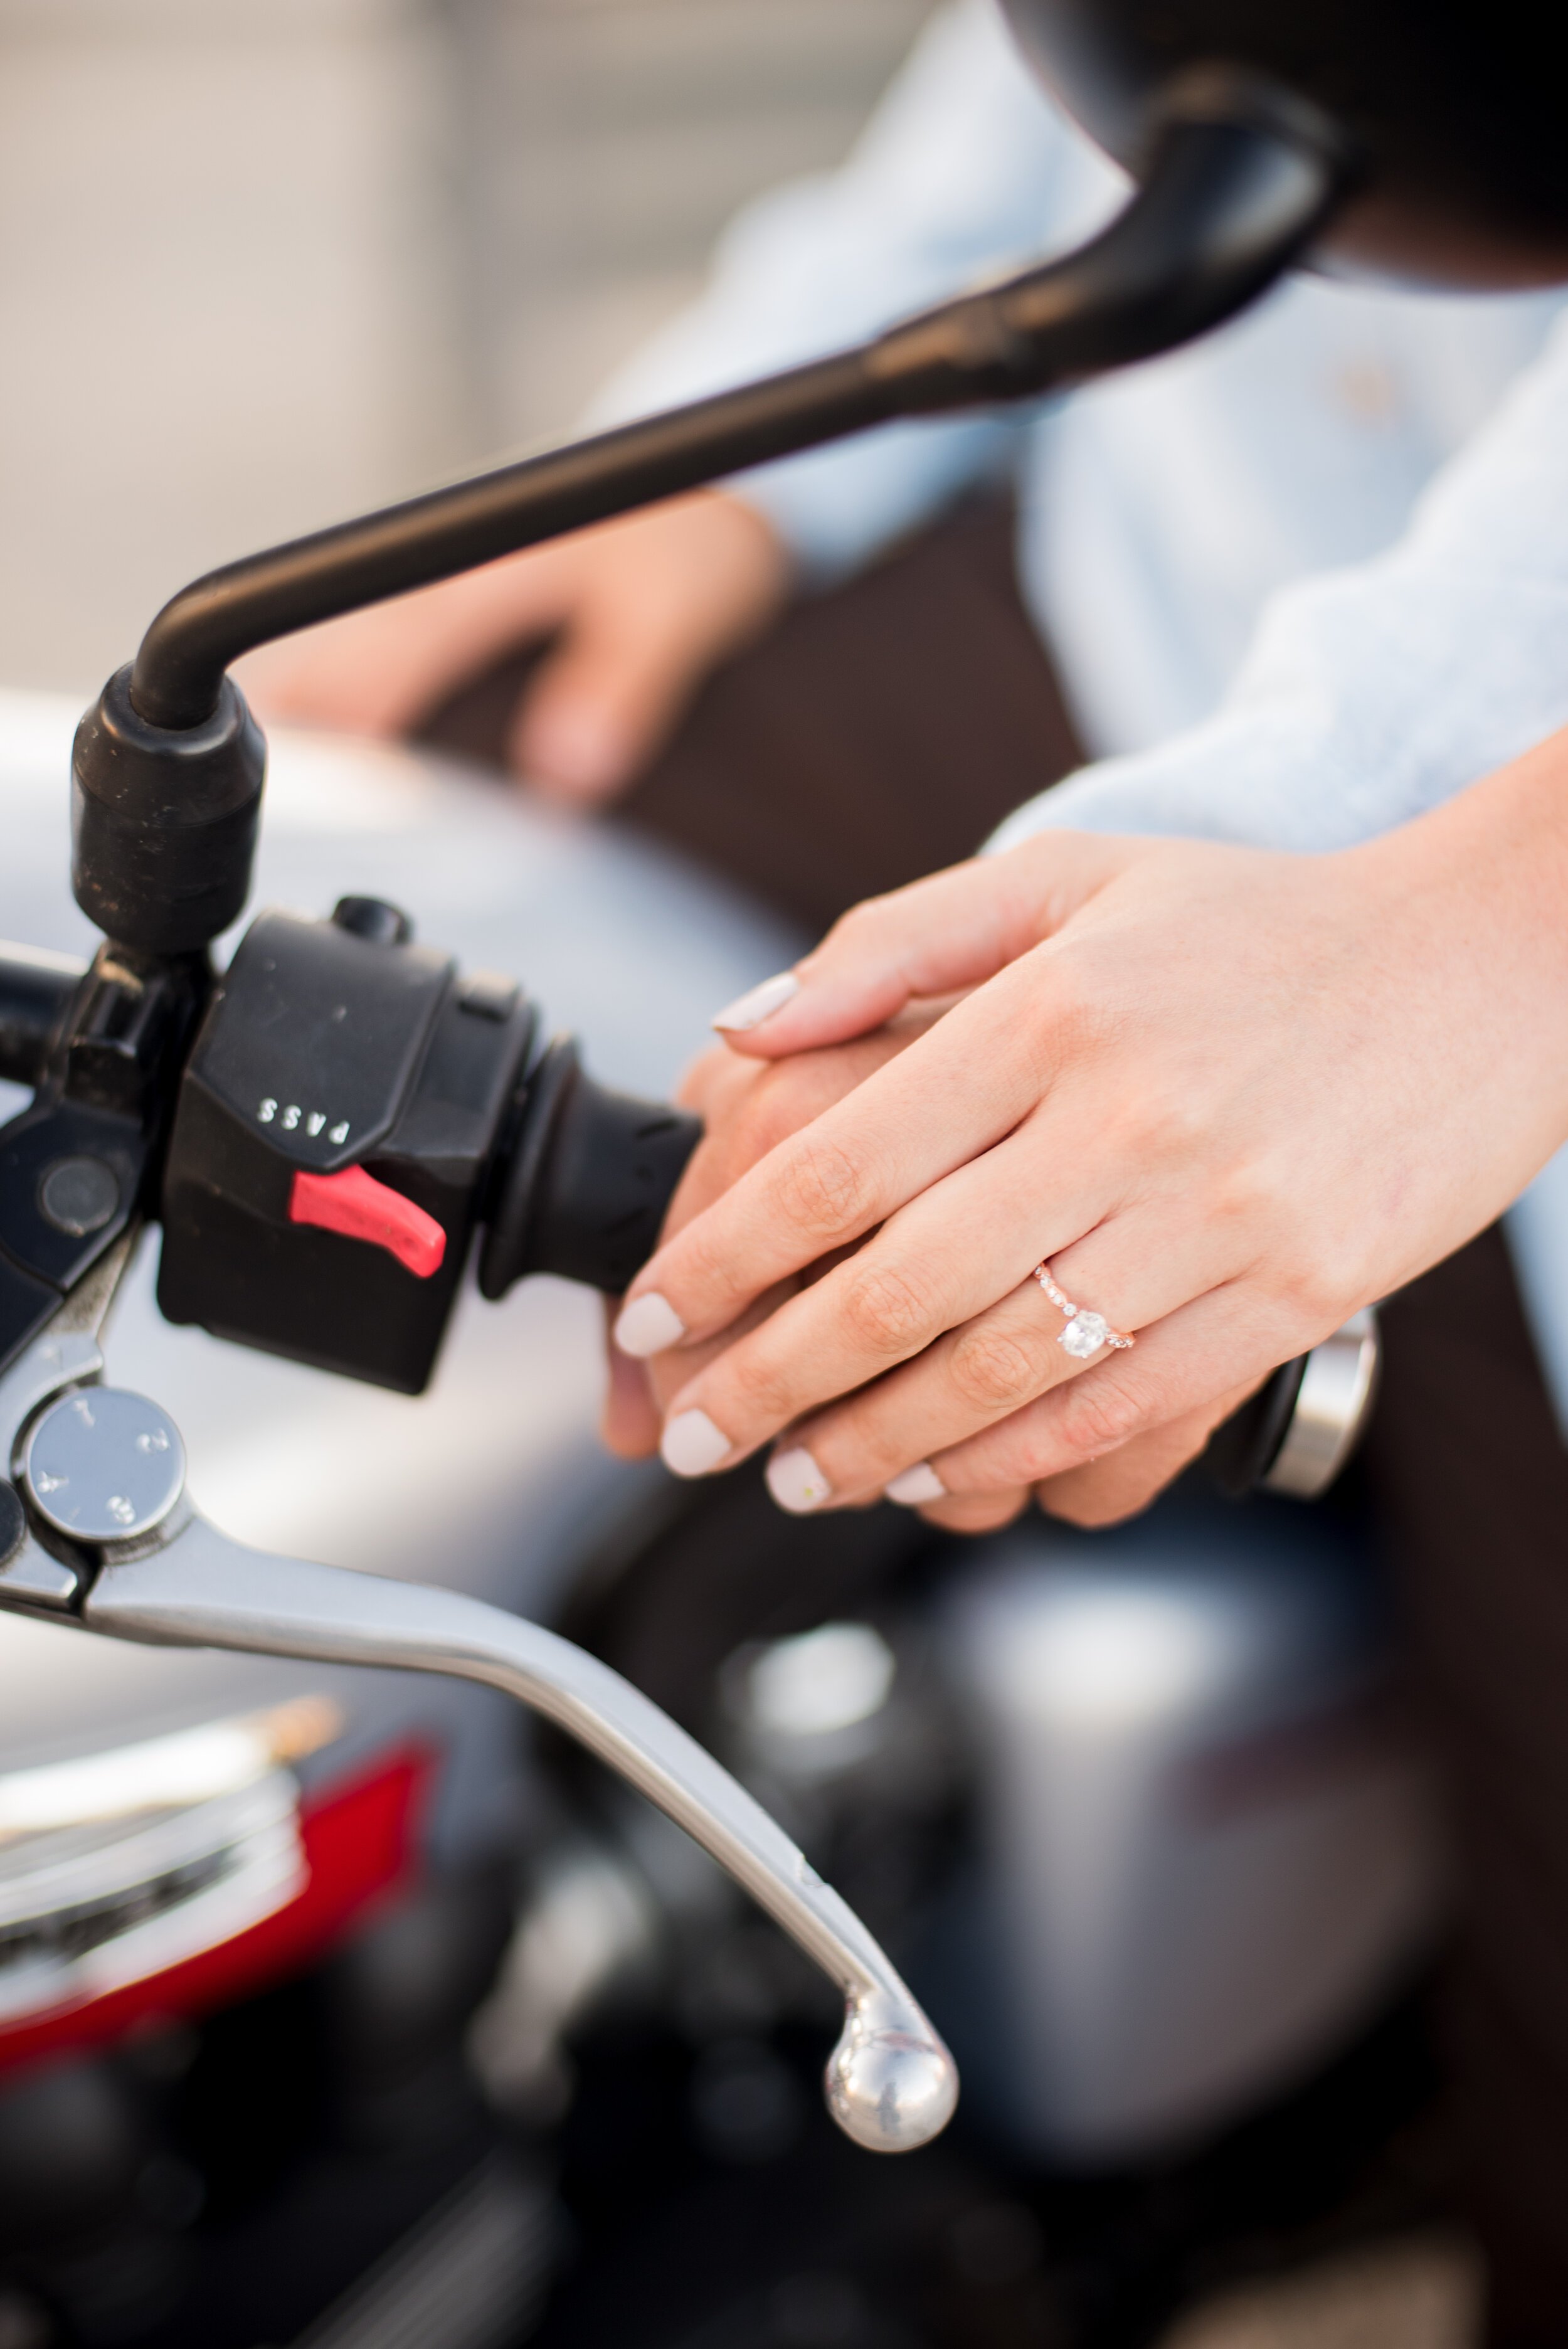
pixel 97 1529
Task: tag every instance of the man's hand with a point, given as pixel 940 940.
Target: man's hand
pixel 642 610
pixel 746 1108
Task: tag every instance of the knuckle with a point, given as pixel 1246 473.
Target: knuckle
pixel 887 1309
pixel 995 1369
pixel 1075 1008
pixel 706 1080
pixel 1246 1192
pixel 984 1514
pixel 704 1258
pixel 1098 1415
pixel 1073 1019
pixel 1169 1126
pixel 1083 1506
pixel 859 926
pixel 1251 1206
pixel 865 1451
pixel 761 1389
pixel 768 1118
pixel 1313 1292
pixel 786 1096
pixel 823 1190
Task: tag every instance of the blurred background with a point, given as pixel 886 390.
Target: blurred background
pixel 264 261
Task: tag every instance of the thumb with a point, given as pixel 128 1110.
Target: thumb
pixel 938 937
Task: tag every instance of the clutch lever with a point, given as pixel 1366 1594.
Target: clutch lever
pixel 96 1527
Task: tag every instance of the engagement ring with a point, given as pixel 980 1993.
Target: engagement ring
pixel 1086 1332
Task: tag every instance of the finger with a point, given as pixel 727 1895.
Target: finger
pixel 980 1372
pixel 599 706
pixel 630 1419
pixel 1125 1482
pixel 937 936
pixel 749 1107
pixel 977 1513
pixel 906 1329
pixel 973 1376
pixel 692 1448
pixel 878 1306
pixel 1225 1341
pixel 853 1167
pixel 365 675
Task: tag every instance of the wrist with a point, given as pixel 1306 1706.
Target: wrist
pixel 1491 866
pixel 1473 902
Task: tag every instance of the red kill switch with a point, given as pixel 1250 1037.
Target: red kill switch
pixel 355 1203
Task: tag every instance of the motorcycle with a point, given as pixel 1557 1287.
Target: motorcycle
pixel 196 1839
pixel 1139 1814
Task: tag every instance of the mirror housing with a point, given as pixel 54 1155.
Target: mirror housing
pixel 1452 112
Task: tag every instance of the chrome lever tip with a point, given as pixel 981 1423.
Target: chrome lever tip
pixel 891 2084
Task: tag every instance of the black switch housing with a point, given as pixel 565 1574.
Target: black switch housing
pixel 323 1049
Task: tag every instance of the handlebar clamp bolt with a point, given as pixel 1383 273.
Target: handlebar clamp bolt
pixel 79 1195
pixel 104 1465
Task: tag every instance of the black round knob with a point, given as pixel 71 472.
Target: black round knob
pixel 373 919
pixel 79 1195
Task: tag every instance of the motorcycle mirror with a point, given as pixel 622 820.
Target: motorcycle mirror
pixel 1450 113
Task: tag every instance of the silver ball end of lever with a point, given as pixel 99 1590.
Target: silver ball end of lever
pixel 889 2088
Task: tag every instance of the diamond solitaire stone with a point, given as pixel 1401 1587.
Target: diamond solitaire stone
pixel 1084 1334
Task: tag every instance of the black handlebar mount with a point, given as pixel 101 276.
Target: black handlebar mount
pixel 324 1129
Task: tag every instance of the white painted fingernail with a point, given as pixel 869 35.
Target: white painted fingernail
pixel 913 1487
pixel 796 1482
pixel 757 1004
pixel 648 1325
pixel 691 1445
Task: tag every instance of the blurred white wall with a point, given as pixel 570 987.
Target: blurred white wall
pixel 612 140
pixel 265 261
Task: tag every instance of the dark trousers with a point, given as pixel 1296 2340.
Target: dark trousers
pixel 1470 1479
pixel 879 733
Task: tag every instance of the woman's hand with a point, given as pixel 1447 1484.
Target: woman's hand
pixel 1230 1096
pixel 643 608
pixel 747 1107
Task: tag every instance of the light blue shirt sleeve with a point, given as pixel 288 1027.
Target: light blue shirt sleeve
pixel 964 170
pixel 1373 693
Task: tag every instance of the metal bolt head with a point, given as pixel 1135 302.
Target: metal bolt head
pixel 104 1465
pixel 79 1195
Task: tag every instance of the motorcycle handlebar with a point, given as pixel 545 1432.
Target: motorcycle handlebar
pixel 560 1175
